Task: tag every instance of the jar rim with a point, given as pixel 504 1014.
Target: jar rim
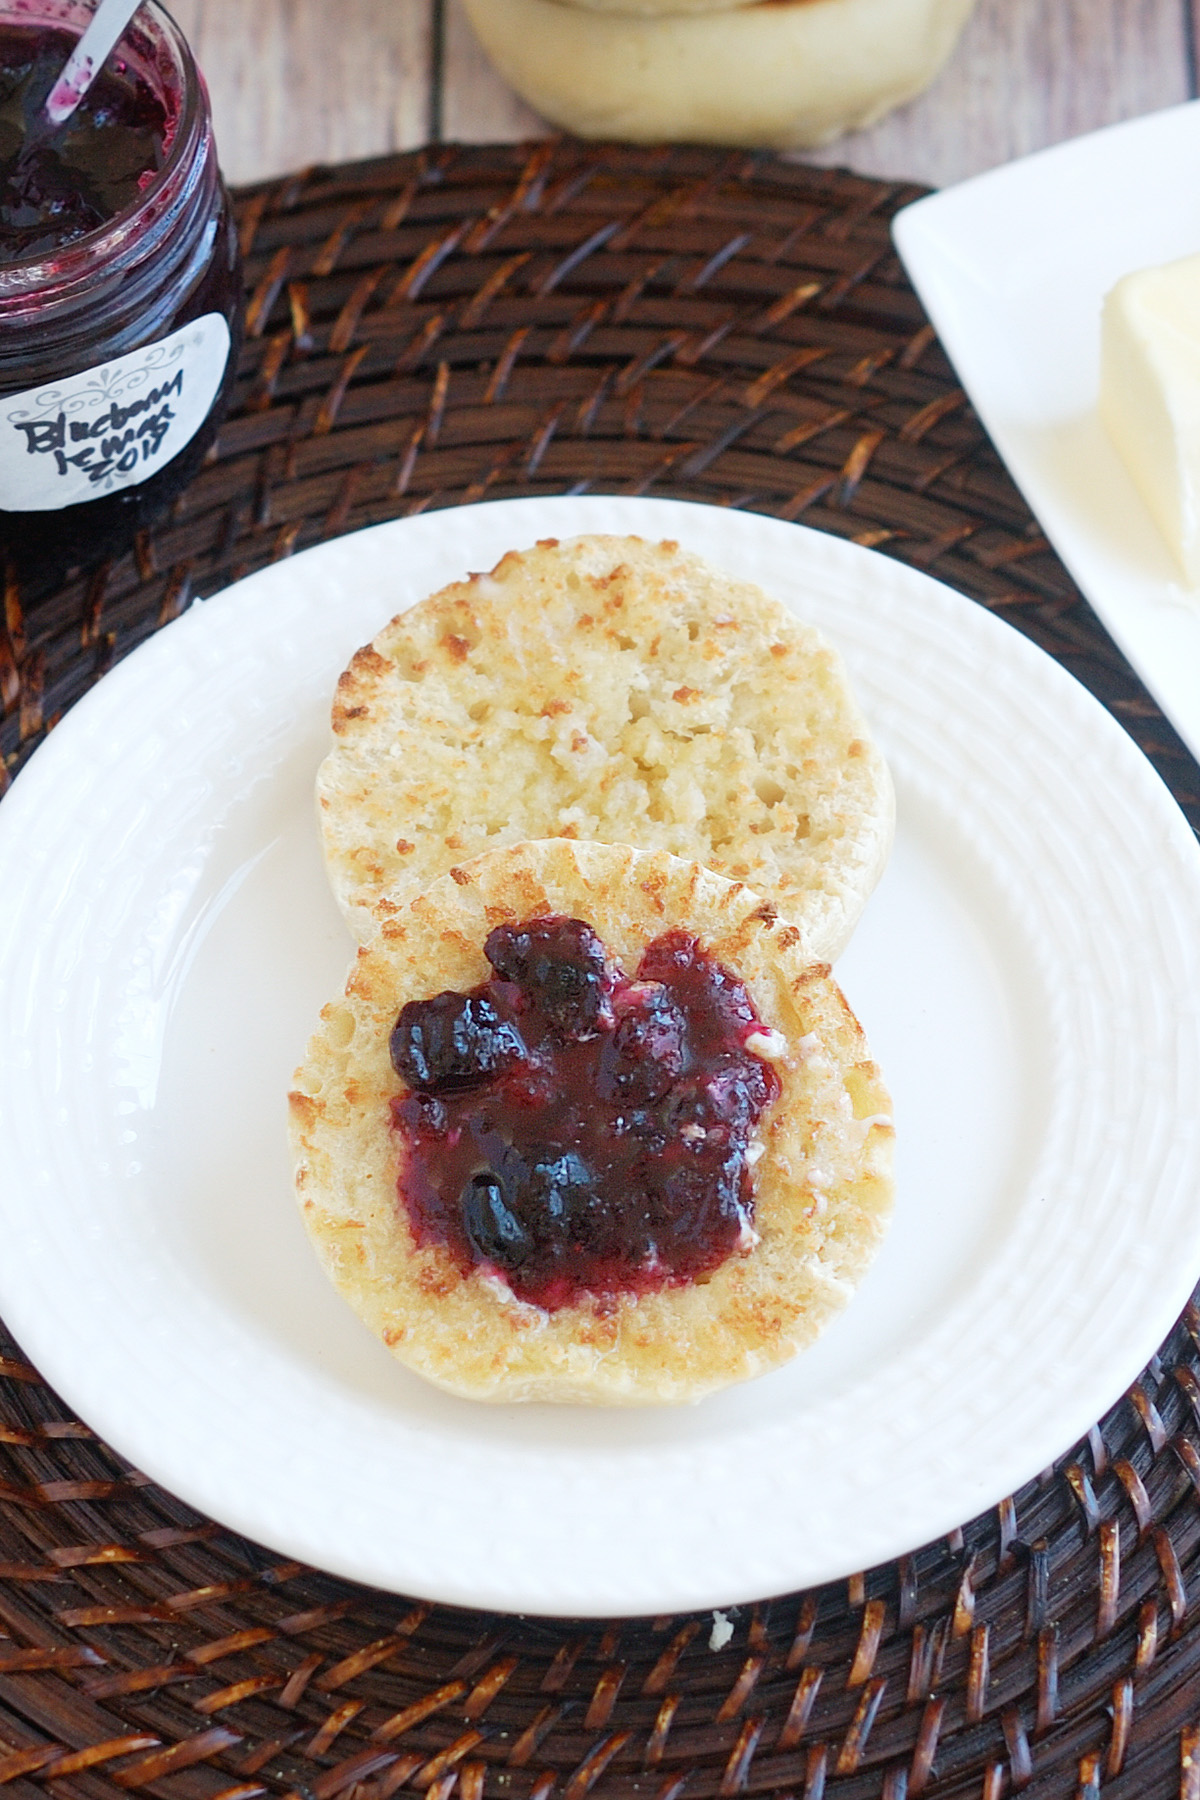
pixel 24 275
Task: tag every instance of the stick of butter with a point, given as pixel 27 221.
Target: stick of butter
pixel 1150 396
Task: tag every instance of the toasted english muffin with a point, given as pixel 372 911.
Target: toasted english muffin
pixel 614 690
pixel 822 1184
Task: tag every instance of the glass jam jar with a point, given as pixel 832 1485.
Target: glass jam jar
pixel 121 298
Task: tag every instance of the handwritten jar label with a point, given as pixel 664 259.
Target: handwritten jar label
pixel 113 426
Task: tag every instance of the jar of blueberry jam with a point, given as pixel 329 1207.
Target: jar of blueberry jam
pixel 120 288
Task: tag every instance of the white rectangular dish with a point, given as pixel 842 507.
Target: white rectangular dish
pixel 1012 268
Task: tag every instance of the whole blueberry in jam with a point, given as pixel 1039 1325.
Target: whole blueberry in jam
pixel 493 1229
pixel 649 1044
pixel 577 1131
pixel 561 970
pixel 452 1041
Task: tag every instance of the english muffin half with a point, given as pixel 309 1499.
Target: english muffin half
pixel 615 690
pixel 815 1187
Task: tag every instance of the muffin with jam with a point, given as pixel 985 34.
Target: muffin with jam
pixel 591 1124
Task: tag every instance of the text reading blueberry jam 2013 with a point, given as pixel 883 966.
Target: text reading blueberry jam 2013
pixel 111 443
pixel 110 427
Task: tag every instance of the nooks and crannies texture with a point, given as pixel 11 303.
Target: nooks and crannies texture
pixel 612 690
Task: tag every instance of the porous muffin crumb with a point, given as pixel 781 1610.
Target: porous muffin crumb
pixel 613 690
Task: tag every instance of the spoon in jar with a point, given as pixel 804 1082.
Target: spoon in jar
pixel 78 73
pixel 84 63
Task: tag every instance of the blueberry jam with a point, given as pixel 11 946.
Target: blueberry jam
pixel 575 1131
pixel 121 296
pixel 56 186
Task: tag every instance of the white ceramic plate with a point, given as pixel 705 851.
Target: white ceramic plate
pixel 1028 974
pixel 1012 267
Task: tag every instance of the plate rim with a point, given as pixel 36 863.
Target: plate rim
pixel 97 701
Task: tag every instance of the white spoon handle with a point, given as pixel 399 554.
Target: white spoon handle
pixel 88 58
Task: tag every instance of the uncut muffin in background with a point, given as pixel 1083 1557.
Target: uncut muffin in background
pixel 589 1125
pixel 769 74
pixel 612 690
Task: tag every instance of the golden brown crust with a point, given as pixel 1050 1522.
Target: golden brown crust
pixel 611 690
pixel 823 1185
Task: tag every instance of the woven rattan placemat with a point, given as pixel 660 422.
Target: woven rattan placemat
pixel 425 331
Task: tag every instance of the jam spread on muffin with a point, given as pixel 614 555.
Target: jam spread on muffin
pixel 576 1131
pixel 57 186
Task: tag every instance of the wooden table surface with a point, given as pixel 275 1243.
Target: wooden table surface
pixel 302 81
